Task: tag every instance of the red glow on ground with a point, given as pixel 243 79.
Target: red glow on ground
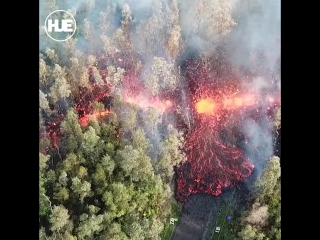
pixel 215 144
pixel 145 103
pixel 213 165
pixel 238 102
pixel 230 103
pixel 133 92
pixel 206 106
pixel 84 121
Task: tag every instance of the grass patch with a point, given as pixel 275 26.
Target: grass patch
pixel 167 232
pixel 224 224
pixel 169 228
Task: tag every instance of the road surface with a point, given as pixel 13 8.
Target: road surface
pixel 199 214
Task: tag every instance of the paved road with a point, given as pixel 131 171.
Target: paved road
pixel 195 215
pixel 199 215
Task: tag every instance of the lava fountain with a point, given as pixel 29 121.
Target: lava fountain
pixel 215 156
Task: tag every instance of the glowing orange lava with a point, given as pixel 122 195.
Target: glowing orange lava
pixel 206 106
pixel 209 106
pixel 84 121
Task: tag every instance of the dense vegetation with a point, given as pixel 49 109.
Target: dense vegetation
pixel 104 186
pixel 262 221
pixel 112 178
pixel 261 218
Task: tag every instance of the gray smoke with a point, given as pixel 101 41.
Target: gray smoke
pixel 253 43
pixel 255 40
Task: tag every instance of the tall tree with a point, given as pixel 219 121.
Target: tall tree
pixel 43 102
pixel 72 130
pixel 44 201
pixel 162 76
pixel 90 140
pixel 139 140
pixel 43 73
pixel 277 121
pixel 52 55
pixel 81 188
pixel 60 88
pixel 268 179
pixel 58 218
pixel 89 225
pixel 117 199
pixel 174 41
pixel 128 159
pixel 222 21
pixel 170 153
pixel 126 18
pixel 114 232
pixel 248 233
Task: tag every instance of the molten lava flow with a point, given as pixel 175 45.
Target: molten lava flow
pixel 215 159
pixel 206 105
pixel 145 103
pixel 101 93
pixel 210 107
pixel 84 121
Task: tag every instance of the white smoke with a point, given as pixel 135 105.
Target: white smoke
pixel 255 40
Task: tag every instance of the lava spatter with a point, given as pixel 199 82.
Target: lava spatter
pixel 215 146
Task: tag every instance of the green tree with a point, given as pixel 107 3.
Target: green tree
pixel 128 159
pixel 52 55
pixel 126 17
pixel 43 72
pixel 84 77
pixel 248 233
pixel 114 232
pixel 100 179
pixel 135 231
pixel 96 75
pixel 153 229
pixel 152 119
pixel 60 87
pixel 129 115
pixel 89 225
pixel 43 162
pixel 174 41
pixel 44 202
pixel 222 22
pixel 72 131
pixel 277 121
pixel 43 102
pixel 170 153
pixel 58 218
pixel 61 193
pixel 108 164
pixel 139 140
pixel 81 188
pixel 118 199
pixel 268 179
pixel 90 140
pixel 162 76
